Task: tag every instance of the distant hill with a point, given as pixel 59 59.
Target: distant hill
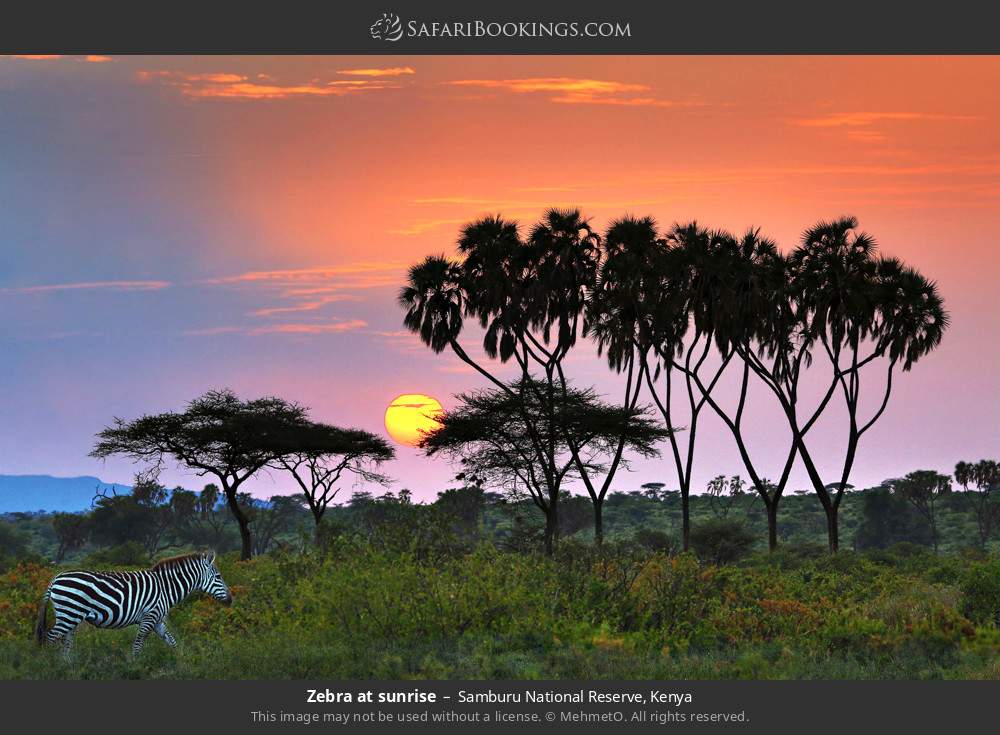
pixel 44 492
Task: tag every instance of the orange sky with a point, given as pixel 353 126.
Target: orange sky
pixel 287 195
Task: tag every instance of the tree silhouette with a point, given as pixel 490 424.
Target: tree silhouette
pixel 488 436
pixel 670 301
pixel 528 297
pixel 744 305
pixel 320 454
pixel 723 493
pixel 922 489
pixel 656 307
pixel 981 482
pixel 856 309
pixel 217 434
pixel 634 311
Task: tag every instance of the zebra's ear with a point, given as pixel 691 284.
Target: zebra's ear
pixel 210 557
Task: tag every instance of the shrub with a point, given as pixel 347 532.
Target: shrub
pixel 721 541
pixel 13 541
pixel 981 593
pixel 672 596
pixel 653 539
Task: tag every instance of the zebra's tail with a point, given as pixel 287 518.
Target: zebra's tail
pixel 40 629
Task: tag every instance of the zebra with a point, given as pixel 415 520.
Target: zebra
pixel 121 599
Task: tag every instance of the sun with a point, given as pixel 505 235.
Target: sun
pixel 410 414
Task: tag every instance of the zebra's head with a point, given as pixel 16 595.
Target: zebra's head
pixel 212 582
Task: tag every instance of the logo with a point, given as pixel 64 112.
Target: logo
pixel 387 28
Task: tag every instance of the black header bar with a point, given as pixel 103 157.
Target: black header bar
pixel 509 27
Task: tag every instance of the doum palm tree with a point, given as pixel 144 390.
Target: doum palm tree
pixel 857 309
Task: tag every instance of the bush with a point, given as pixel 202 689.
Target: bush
pixel 13 541
pixel 721 541
pixel 981 590
pixel 654 540
pixel 790 556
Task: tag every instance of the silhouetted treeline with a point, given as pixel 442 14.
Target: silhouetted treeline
pixel 727 522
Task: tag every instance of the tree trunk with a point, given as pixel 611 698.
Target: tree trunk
pixel 318 517
pixel 244 523
pixel 685 520
pixel 832 529
pixel 550 533
pixel 247 542
pixel 599 522
pixel 772 526
pixel 829 503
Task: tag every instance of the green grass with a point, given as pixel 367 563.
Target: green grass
pixel 363 612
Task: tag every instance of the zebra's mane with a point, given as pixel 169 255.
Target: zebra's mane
pixel 172 561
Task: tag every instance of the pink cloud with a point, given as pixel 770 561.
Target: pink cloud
pixel 91 58
pixel 305 306
pixel 352 275
pixel 225 85
pixel 93 286
pixel 335 327
pixel 394 71
pixel 578 91
pixel 864 119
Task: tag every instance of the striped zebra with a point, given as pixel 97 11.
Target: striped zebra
pixel 120 599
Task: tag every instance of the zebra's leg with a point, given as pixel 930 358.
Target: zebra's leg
pixel 161 630
pixel 62 630
pixel 146 626
pixel 67 650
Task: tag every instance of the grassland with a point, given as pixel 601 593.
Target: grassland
pixel 355 609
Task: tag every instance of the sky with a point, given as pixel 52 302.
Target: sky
pixel 170 225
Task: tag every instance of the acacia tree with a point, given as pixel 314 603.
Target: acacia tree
pixel 217 434
pixel 489 436
pixel 981 482
pixel 922 489
pixel 321 454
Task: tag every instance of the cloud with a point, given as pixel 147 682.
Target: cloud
pixel 305 306
pixel 865 119
pixel 579 91
pixel 92 286
pixel 552 84
pixel 394 71
pixel 91 58
pixel 364 274
pixel 226 85
pixel 293 328
pixel 395 334
pixel 306 291
pixel 591 99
